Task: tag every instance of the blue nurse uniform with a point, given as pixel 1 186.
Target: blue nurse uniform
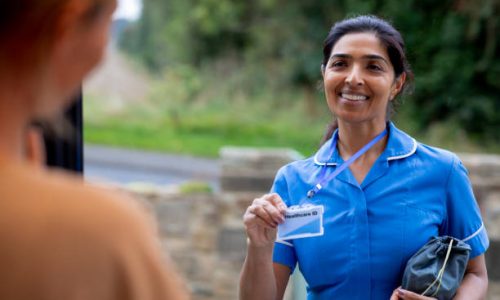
pixel 412 192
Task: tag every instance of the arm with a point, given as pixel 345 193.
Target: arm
pixel 259 278
pixel 475 282
pixel 464 222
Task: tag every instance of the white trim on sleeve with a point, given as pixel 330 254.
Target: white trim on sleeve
pixel 474 234
pixel 284 243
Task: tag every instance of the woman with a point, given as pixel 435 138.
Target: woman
pixel 61 239
pixel 377 213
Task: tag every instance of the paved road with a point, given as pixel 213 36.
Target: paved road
pixel 125 166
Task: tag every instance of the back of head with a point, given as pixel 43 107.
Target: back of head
pixel 49 46
pixel 26 27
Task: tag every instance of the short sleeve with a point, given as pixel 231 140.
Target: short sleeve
pixel 463 216
pixel 284 252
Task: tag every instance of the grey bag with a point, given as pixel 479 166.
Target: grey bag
pixel 437 269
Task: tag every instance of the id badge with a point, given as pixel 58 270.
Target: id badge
pixel 301 222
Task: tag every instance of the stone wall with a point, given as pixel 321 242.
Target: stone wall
pixel 484 172
pixel 204 232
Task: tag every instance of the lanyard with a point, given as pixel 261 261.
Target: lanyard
pixel 324 179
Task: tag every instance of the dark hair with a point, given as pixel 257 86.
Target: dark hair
pixel 388 36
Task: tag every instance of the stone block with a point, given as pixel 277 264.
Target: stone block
pixel 256 158
pixel 174 218
pixel 244 182
pixel 231 244
pixel 493 260
pixel 490 208
pixel 227 279
pixel 482 165
pixel 493 290
pixel 252 169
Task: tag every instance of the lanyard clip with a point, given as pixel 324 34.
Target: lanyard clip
pixel 310 194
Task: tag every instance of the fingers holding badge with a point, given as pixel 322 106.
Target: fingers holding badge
pixel 262 218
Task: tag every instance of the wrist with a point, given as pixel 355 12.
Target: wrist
pixel 260 249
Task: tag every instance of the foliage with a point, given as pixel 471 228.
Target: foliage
pixel 276 46
pixel 195 187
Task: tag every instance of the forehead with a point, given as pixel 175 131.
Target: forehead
pixel 360 44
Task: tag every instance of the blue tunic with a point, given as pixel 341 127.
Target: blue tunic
pixel 411 193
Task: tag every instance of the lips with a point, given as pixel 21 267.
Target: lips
pixel 353 97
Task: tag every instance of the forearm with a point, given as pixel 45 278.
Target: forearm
pixel 257 279
pixel 474 286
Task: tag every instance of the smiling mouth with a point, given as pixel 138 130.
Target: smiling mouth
pixel 354 97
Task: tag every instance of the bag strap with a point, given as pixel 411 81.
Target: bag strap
pixel 439 277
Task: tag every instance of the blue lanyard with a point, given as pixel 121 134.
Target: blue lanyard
pixel 342 167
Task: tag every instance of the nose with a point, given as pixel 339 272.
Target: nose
pixel 354 77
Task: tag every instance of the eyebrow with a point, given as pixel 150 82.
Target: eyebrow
pixel 368 56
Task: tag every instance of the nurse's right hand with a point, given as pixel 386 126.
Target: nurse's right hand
pixel 261 220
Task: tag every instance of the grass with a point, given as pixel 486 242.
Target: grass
pixel 204 133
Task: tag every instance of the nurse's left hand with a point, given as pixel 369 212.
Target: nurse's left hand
pixel 400 294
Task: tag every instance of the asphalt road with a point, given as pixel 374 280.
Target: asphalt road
pixel 124 166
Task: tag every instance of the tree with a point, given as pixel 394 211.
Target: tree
pixel 452 46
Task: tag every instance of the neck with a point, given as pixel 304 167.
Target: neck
pixel 14 117
pixel 352 137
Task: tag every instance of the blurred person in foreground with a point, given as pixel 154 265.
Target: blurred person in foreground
pixel 394 196
pixel 60 238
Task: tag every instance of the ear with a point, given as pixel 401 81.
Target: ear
pixel 323 70
pixel 397 85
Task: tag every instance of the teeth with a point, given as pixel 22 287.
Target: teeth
pixel 354 97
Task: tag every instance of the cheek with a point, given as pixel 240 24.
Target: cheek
pixel 330 94
pixel 382 87
pixel 331 84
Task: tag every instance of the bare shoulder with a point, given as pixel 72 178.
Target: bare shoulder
pixel 52 198
pixel 94 238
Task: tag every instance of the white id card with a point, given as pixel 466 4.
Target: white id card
pixel 301 222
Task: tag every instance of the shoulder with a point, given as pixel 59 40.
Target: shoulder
pixel 48 199
pixel 403 147
pixel 93 236
pixel 435 157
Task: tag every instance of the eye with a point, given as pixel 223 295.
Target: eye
pixel 338 64
pixel 375 67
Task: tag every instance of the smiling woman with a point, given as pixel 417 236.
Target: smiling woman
pixel 360 81
pixel 383 194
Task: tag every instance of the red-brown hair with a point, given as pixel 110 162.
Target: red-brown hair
pixel 27 28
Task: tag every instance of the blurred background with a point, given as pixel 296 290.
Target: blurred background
pixel 197 99
pixel 191 76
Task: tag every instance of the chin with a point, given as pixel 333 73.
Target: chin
pixel 350 118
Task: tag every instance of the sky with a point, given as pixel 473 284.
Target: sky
pixel 128 9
